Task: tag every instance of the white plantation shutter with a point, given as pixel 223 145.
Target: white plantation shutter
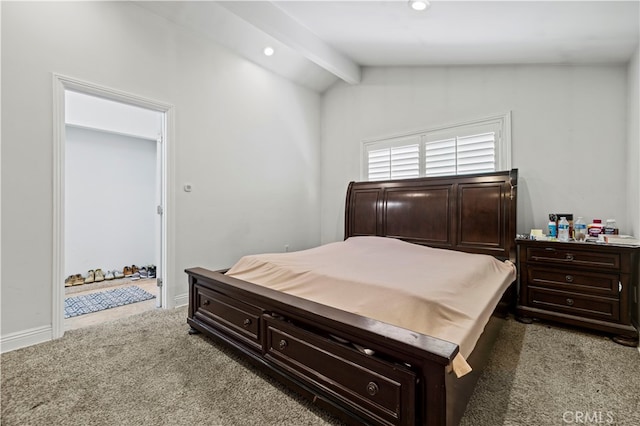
pixel 404 161
pixel 474 147
pixel 397 160
pixel 379 164
pixel 476 153
pixel 461 155
pixel 440 157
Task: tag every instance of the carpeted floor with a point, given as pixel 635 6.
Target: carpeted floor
pixel 146 370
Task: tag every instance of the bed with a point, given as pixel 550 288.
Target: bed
pixel 356 363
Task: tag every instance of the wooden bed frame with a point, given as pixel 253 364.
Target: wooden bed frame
pixel 312 348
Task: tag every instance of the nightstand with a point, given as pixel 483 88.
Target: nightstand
pixel 580 284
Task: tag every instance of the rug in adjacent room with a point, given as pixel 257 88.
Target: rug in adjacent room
pixel 94 302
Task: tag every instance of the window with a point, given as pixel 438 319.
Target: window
pixel 398 158
pixel 471 147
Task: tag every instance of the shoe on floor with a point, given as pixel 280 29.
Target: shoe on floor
pixel 134 269
pixel 69 281
pixel 126 271
pixel 135 277
pixel 152 271
pixel 144 273
pixel 109 276
pixel 77 279
pixel 117 274
pixel 91 277
pixel 99 275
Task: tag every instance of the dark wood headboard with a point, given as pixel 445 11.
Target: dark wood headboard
pixel 471 213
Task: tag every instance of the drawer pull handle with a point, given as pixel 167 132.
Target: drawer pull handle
pixel 372 388
pixel 569 257
pixel 570 302
pixel 569 278
pixel 206 302
pixel 247 322
pixel 282 344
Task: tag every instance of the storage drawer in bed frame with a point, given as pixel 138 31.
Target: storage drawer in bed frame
pixel 238 320
pixel 381 389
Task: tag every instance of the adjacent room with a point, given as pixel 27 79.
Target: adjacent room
pixel 245 134
pixel 112 194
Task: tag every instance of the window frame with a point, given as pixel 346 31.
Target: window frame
pixel 502 122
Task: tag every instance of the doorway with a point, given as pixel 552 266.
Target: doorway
pixel 110 173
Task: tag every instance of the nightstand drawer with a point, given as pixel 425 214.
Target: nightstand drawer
pixel 574 257
pixel 575 304
pixel 575 280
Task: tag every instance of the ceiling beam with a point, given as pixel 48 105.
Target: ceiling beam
pixel 274 21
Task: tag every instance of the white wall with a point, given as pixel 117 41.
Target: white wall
pixel 247 141
pixel 110 201
pixel 568 131
pixel 633 151
pixel 633 137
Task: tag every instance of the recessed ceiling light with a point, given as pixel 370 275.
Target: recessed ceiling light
pixel 419 4
pixel 269 51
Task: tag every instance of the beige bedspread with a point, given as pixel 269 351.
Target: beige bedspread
pixel 441 293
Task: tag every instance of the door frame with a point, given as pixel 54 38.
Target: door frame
pixel 61 84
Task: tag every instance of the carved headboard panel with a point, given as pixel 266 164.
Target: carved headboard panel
pixel 471 213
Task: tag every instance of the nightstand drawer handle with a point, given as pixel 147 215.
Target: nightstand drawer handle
pixel 282 345
pixel 569 278
pixel 206 302
pixel 570 302
pixel 569 257
pixel 247 322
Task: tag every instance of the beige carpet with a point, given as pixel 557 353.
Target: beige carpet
pixel 146 370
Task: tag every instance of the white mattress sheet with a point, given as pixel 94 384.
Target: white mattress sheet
pixel 441 293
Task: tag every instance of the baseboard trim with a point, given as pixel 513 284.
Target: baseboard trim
pixel 181 300
pixel 34 336
pixel 22 339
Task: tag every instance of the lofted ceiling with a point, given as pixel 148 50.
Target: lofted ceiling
pixel 318 42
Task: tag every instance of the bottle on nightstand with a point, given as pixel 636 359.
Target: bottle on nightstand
pixel 580 229
pixel 553 227
pixel 563 229
pixel 594 229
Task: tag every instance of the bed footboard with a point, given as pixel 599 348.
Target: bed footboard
pixel 362 370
